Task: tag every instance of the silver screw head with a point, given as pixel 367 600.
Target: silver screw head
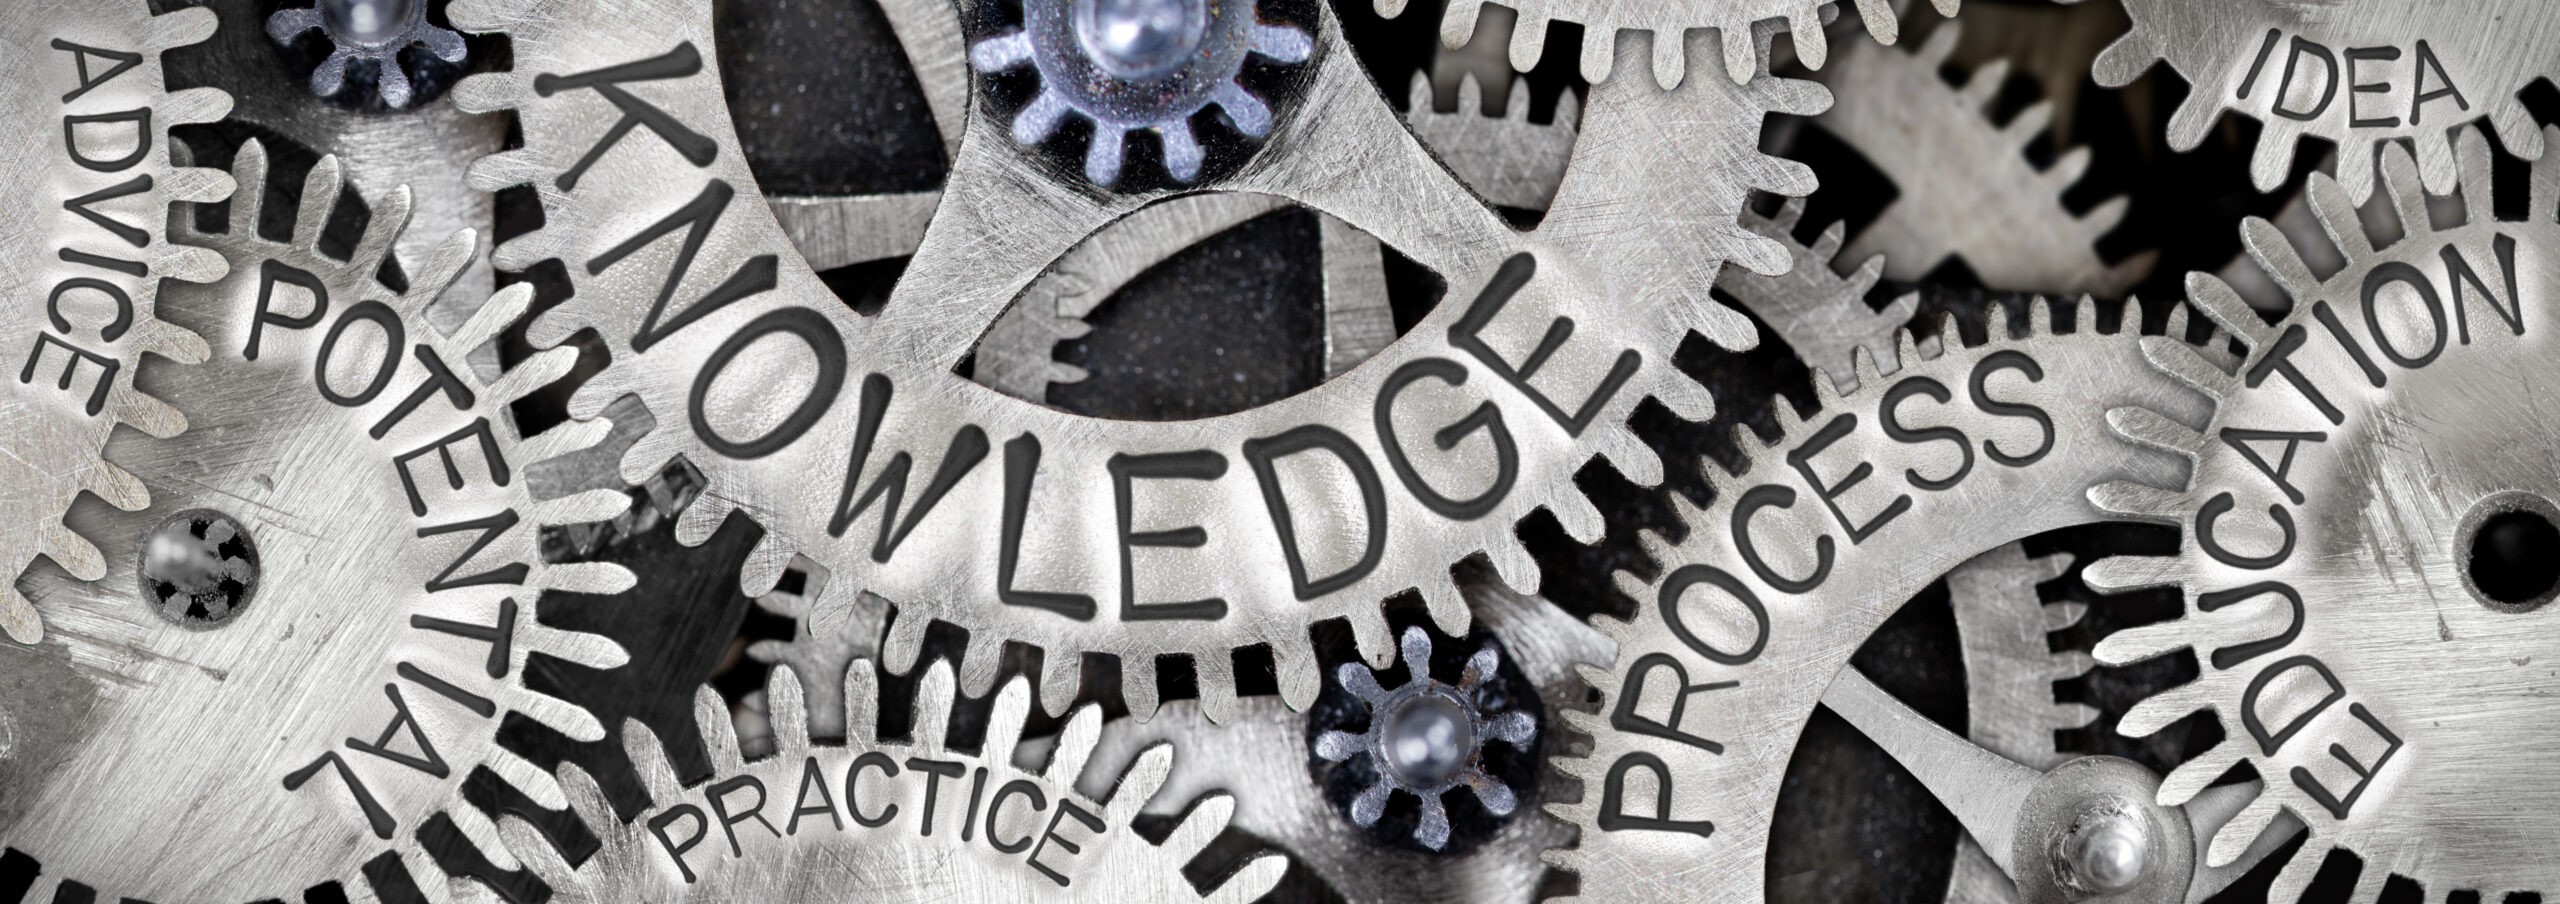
pixel 1138 40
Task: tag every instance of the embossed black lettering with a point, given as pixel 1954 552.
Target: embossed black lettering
pixel 512 573
pixel 1802 460
pixel 1507 281
pixel 1487 417
pixel 2355 86
pixel 2426 63
pixel 934 772
pixel 2235 654
pixel 443 448
pixel 676 849
pixel 1981 387
pixel 2239 438
pixel 110 331
pixel 1889 411
pixel 1021 463
pixel 1263 451
pixel 1625 718
pixel 374 815
pixel 968 447
pixel 2328 75
pixel 271 272
pixel 394 336
pixel 678 63
pixel 812 779
pixel 1066 809
pixel 2390 272
pixel 697 216
pixel 501 636
pixel 131 236
pixel 80 54
pixel 1773 496
pixel 2208 523
pixel 1197 464
pixel 2279 360
pixel 426 760
pixel 853 781
pixel 2328 318
pixel 2457 271
pixel 995 808
pixel 2338 806
pixel 718 797
pixel 1688 576
pixel 823 342
pixel 2268 743
pixel 1613 800
pixel 139 117
pixel 106 366
pixel 439 377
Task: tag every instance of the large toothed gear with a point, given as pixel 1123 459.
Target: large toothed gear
pixel 88 246
pixel 1964 186
pixel 2427 67
pixel 1667 21
pixel 1130 66
pixel 1751 616
pixel 880 820
pixel 2366 545
pixel 856 446
pixel 350 525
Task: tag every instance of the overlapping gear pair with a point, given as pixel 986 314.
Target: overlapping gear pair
pixel 301 551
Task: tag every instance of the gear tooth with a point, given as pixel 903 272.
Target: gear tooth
pixel 1515 107
pixel 1458 25
pixel 249 176
pixel 2193 118
pixel 1417 97
pixel 1138 685
pixel 18 616
pixel 788 709
pixel 1528 34
pixel 116 485
pixel 1581 520
pixel 933 707
pixel 1470 95
pixel 148 414
pixel 1061 675
pixel 1208 817
pixel 649 761
pixel 1447 607
pixel 2160 710
pixel 198 185
pixel 2061 615
pixel 1254 882
pixel 1995 325
pixel 2024 128
pixel 1881 22
pixel 2071 716
pixel 1978 90
pixel 980 662
pixel 2274 253
pixel 1629 453
pixel 1934 51
pixel 1005 720
pixel 2408 182
pixel 319 196
pixel 2515 127
pixel 72 551
pixel 898 651
pixel 2331 204
pixel 861 696
pixel 1389 9
pixel 491 92
pixel 1804 27
pixel 2200 771
pixel 505 169
pixel 1741 53
pixel 1685 397
pixel 1293 660
pixel 2299 869
pixel 2150 428
pixel 2219 303
pixel 2243 830
pixel 2067 169
pixel 1600 44
pixel 2369 881
pixel 2471 155
pixel 2545 190
pixel 1369 635
pixel 695 526
pixel 1130 794
pixel 2138 501
pixel 2185 364
pixel 2040 316
pixel 1217 681
pixel 1631 585
pixel 2069 664
pixel 2120 574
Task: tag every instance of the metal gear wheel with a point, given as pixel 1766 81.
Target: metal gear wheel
pixel 1666 21
pixel 1033 549
pixel 2388 71
pixel 1268 739
pixel 2365 544
pixel 1965 187
pixel 1425 738
pixel 88 252
pixel 1732 646
pixel 368 31
pixel 333 691
pixel 842 836
pixel 1130 66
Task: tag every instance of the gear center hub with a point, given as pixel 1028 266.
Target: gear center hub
pixel 199 569
pixel 1427 739
pixel 368 22
pixel 1139 40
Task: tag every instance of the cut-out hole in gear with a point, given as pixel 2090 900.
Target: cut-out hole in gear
pixel 199 569
pixel 2510 549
